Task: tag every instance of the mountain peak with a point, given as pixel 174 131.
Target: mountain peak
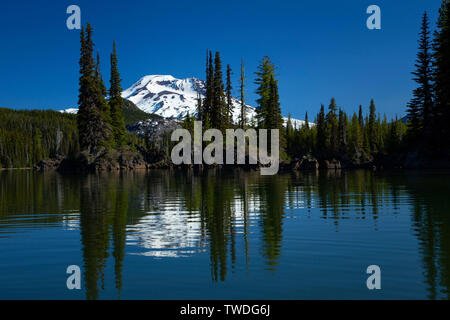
pixel 166 95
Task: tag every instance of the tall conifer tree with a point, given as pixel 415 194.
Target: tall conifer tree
pixel 441 113
pixel 321 132
pixel 94 131
pixel 264 75
pixel 229 100
pixel 360 117
pixel 342 131
pixel 306 121
pixel 209 91
pixel 356 137
pixel 332 127
pixel 218 110
pixel 372 136
pixel 243 111
pixel 421 106
pixel 99 76
pixel 116 101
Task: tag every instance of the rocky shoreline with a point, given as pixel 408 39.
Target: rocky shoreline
pixel 122 160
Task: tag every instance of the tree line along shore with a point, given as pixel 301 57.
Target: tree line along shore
pixel 96 138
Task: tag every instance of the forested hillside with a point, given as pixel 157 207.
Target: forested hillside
pixel 26 137
pixel 132 113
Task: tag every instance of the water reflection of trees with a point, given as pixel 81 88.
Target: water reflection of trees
pixel 223 202
pixel 222 212
pixel 38 197
pixel 103 216
pixel 431 222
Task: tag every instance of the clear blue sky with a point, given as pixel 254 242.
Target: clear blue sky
pixel 322 48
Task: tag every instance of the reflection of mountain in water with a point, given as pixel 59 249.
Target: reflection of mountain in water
pixel 167 234
pixel 170 230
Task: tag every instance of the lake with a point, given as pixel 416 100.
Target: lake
pixel 225 235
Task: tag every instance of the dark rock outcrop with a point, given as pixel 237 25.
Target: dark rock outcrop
pixel 306 163
pixel 106 160
pixel 154 128
pixel 48 164
pixel 331 164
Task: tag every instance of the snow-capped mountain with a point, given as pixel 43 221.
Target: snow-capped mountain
pixel 70 110
pixel 170 97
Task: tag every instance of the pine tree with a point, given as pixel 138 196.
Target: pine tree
pixel 207 88
pixel 306 120
pixel 321 132
pixel 384 128
pixel 360 117
pixel 243 119
pixel 414 119
pixel 421 106
pixel 395 136
pixel 342 132
pixel 116 101
pixel 371 127
pixel 94 131
pixel 425 73
pixel 356 134
pixel 362 125
pixel 37 145
pixel 268 111
pixel 365 135
pixel 229 100
pixel 264 75
pixel 218 110
pixel 441 113
pixel 289 136
pixel 209 91
pixel 275 120
pixel 307 133
pixel 103 105
pixel 332 127
pixel 99 76
pixel 333 108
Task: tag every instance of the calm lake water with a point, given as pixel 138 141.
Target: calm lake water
pixel 225 235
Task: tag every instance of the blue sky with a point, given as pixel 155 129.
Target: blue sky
pixel 322 48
